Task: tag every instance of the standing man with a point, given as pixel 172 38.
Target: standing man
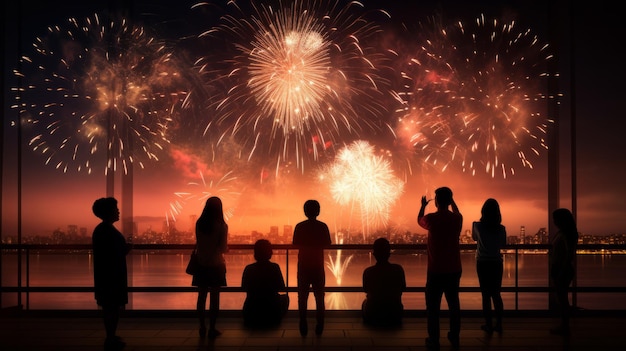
pixel 311 237
pixel 444 264
pixel 110 274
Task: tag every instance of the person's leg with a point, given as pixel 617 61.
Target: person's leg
pixel 498 305
pixel 319 285
pixel 303 297
pixel 201 308
pixel 110 316
pixel 214 309
pixel 484 281
pixel 433 305
pixel 320 310
pixel 451 291
pixel 284 305
pixel 562 297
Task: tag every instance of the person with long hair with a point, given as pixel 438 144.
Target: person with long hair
pixel 562 262
pixel 211 244
pixel 490 237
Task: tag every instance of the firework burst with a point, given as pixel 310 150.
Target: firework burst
pixel 475 97
pixel 96 86
pixel 365 183
pixel 301 78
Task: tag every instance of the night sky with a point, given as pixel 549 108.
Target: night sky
pixel 260 189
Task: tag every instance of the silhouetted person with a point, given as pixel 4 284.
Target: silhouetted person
pixel 263 281
pixel 383 283
pixel 444 265
pixel 490 236
pixel 211 244
pixel 562 262
pixel 310 237
pixel 110 274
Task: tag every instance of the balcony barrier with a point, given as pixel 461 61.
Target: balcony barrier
pixel 24 252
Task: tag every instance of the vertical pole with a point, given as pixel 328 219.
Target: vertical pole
pixel 553 132
pixel 573 132
pixel 19 175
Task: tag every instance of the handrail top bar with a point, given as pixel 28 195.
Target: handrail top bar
pixel 292 247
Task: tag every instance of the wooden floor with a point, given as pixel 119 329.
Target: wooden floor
pixel 343 332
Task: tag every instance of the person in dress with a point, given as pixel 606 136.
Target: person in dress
pixel 490 237
pixel 211 244
pixel 110 273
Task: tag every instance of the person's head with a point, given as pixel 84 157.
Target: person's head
pixel 262 250
pixel 490 213
pixel 213 209
pixel 443 197
pixel 564 220
pixel 382 249
pixel 311 208
pixel 106 209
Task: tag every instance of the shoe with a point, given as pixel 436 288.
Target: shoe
pixel 202 332
pixel 213 333
pixel 114 343
pixel 454 340
pixel 487 328
pixel 560 330
pixel 304 328
pixel 319 328
pixel 431 345
pixel 498 328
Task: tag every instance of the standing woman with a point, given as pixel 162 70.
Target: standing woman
pixel 110 272
pixel 562 258
pixel 490 237
pixel 211 244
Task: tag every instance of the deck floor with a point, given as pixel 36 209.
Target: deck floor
pixel 343 332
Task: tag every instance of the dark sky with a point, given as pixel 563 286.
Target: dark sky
pixel 587 38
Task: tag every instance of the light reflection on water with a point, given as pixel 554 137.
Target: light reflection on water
pixel 343 268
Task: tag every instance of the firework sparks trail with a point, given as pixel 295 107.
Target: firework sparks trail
pixel 98 86
pixel 338 265
pixel 365 182
pixel 302 77
pixel 475 97
pixel 197 192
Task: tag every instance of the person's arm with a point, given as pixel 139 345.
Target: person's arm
pixel 455 208
pixel 296 233
pixel 403 277
pixel 245 279
pixel 328 239
pixel 474 232
pixel 280 281
pixel 224 240
pixel 420 215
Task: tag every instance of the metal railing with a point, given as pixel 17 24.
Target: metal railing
pixel 23 253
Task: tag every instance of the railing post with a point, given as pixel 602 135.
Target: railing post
pixel 516 278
